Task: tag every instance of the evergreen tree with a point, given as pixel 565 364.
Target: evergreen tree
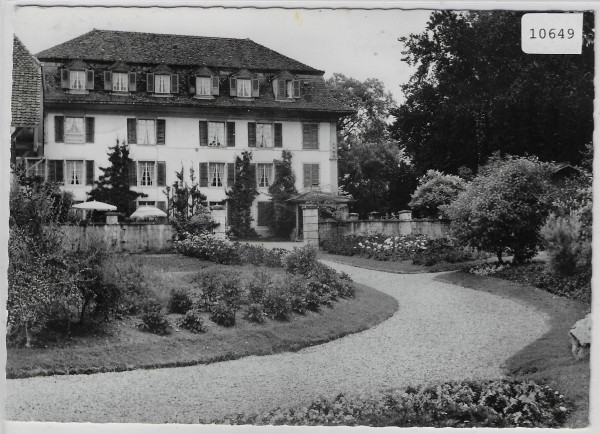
pixel 241 196
pixel 113 186
pixel 281 214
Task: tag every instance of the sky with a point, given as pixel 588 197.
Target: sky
pixel 357 43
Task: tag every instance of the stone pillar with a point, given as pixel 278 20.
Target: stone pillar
pixel 112 218
pixel 310 225
pixel 219 214
pixel 405 215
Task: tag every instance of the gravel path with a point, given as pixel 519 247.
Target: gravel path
pixel 440 332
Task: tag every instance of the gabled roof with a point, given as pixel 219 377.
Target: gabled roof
pixel 26 103
pixel 174 50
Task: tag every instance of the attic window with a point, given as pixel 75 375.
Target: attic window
pixel 287 89
pixel 76 77
pixel 162 81
pixel 244 88
pixel 244 84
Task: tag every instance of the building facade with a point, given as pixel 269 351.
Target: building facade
pixel 184 102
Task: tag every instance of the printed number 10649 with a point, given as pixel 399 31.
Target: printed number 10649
pixel 551 33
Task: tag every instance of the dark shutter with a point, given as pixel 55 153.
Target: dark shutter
pixel 192 82
pixel 89 130
pixel 278 135
pixel 55 171
pixel 174 83
pixel 230 134
pixel 261 218
pixel 253 174
pixel 89 79
pixel 232 86
pixel 203 174
pixel 281 89
pixel 306 175
pixel 314 174
pixel 255 87
pixel 65 78
pixel 89 172
pixel 161 174
pixel 203 129
pixel 160 131
pixel 296 86
pixel 230 174
pixel 131 131
pixel 252 134
pixel 59 129
pixel 149 82
pixel 310 136
pixel 214 89
pixel 108 80
pixel 161 205
pixel 132 82
pixel 132 174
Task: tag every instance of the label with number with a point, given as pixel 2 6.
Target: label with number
pixel 558 33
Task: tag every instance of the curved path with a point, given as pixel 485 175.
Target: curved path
pixel 440 332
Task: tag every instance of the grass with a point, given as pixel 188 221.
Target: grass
pixel 120 345
pixel 549 359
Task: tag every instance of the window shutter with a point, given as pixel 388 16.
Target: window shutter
pixel 232 86
pixel 108 80
pixel 252 134
pixel 203 174
pixel 192 83
pixel 131 132
pixel 203 127
pixel 89 172
pixel 161 174
pixel 306 175
pixel 132 82
pixel 132 174
pixel 255 87
pixel 59 129
pixel 150 82
pixel 89 79
pixel 296 86
pixel 160 131
pixel 278 135
pixel 161 205
pixel 214 86
pixel 280 89
pixel 174 83
pixel 89 129
pixel 230 174
pixel 253 174
pixel 65 78
pixel 315 174
pixel 231 134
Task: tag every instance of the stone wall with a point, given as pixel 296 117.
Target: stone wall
pixel 431 228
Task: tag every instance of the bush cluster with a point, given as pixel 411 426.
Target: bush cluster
pixel 154 319
pixel 501 403
pixel 180 301
pixel 192 321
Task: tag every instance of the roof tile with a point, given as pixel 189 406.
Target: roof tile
pixel 26 103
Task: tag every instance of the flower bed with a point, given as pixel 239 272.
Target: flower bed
pixel 417 248
pixel 462 405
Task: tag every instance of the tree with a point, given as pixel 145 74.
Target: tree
pixel 475 92
pixel 282 217
pixel 185 206
pixel 435 190
pixel 241 196
pixel 503 208
pixel 113 186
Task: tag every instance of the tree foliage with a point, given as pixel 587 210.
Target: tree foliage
pixel 241 196
pixel 113 186
pixel 435 190
pixel 475 92
pixel 503 208
pixel 282 217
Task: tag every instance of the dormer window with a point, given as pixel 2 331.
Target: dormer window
pixel 244 84
pixel 76 77
pixel 119 78
pixel 286 86
pixel 162 81
pixel 120 81
pixel 243 88
pixel 204 83
pixel 203 86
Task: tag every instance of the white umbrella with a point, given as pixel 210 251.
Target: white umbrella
pixel 95 205
pixel 147 211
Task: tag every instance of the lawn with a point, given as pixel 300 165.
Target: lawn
pixel 119 345
pixel 549 359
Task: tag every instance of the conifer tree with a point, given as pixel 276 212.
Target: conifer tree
pixel 281 214
pixel 241 196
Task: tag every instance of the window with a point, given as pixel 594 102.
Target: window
pixel 216 174
pixel 244 88
pixel 162 83
pixel 146 132
pixel 311 175
pixel 35 168
pixel 264 173
pixel 287 89
pixel 264 135
pixel 74 130
pixel 77 80
pixel 120 81
pixel 146 173
pixel 146 203
pixel 310 136
pixel 216 134
pixel 74 173
pixel 203 86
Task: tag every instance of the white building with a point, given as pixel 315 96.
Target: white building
pixel 184 101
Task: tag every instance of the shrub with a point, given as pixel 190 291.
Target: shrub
pixel 222 314
pixel 259 255
pixel 192 321
pixel 180 301
pixel 297 290
pixel 255 313
pixel 256 287
pixel 301 260
pixel 208 248
pixel 215 287
pixel 441 250
pixel 154 320
pixel 433 192
pixel 277 305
